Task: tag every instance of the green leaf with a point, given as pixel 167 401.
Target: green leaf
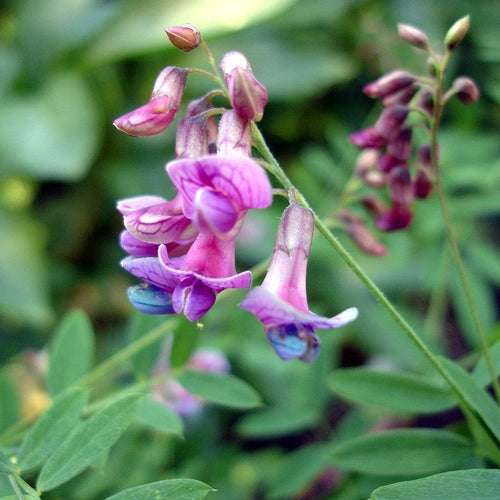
pixel 11 404
pixel 52 428
pixel 178 489
pixel 72 352
pixel 58 128
pixel 24 295
pixel 226 390
pixel 272 422
pixel 6 465
pixel 297 469
pixel 159 416
pixel 398 391
pixel 145 360
pixel 476 398
pixel 405 452
pixel 88 442
pixel 481 373
pixel 475 484
pixel 186 339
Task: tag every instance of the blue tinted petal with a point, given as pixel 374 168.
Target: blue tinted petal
pixel 150 299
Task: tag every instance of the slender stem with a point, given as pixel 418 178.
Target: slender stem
pixel 133 348
pixel 203 72
pixel 216 72
pixel 276 169
pixel 450 229
pixel 15 487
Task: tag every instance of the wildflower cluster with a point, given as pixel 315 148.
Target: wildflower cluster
pixel 390 158
pixel 183 249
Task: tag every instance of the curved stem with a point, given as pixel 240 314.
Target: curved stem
pixel 15 487
pixel 125 354
pixel 450 229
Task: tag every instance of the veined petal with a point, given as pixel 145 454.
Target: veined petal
pixel 128 205
pixel 193 300
pixel 149 269
pixel 270 310
pixel 240 179
pixel 136 247
pixel 214 210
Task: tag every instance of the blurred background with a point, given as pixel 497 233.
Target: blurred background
pixel 69 67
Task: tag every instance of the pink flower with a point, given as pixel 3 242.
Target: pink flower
pixel 280 303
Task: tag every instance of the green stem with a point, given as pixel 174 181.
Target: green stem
pixel 450 229
pixel 15 487
pixel 276 170
pixel 126 353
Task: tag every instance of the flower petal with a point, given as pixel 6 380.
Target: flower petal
pixel 150 299
pixel 214 210
pixel 136 247
pixel 193 300
pixel 149 269
pixel 128 205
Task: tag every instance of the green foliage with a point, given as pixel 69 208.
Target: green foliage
pixel 159 416
pixel 71 354
pixel 475 484
pixel 88 442
pixel 180 489
pixel 52 428
pixel 225 390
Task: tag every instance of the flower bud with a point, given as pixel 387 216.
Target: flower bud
pixel 400 187
pixel 424 156
pixel 394 219
pixel 387 162
pixel 197 106
pixel 432 67
pixel 389 84
pixel 375 206
pixel 389 123
pixel 171 81
pixel 413 36
pixel 425 102
pixel 422 185
pixel 365 162
pixel 368 138
pixel 235 135
pixel 361 236
pixel 457 33
pixel 375 179
pixel 185 37
pixel 465 89
pixel 191 140
pixel 403 96
pixel 246 94
pixel 150 299
pixel 400 147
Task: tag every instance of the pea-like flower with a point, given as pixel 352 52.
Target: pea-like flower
pixel 280 303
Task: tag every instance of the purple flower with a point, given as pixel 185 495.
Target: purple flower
pixel 157 114
pixel 280 303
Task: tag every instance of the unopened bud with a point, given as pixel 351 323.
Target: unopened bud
pixel 400 186
pixel 413 36
pixel 366 161
pixel 422 185
pixel 232 60
pixel 185 37
pixel 400 147
pixel 425 102
pixel 361 236
pixel 432 67
pixel 457 33
pixel 389 84
pixel 368 138
pixel 171 81
pixel 466 90
pixel 235 135
pixel 247 95
pixel 375 206
pixel 387 162
pixel 191 140
pixel 424 156
pixel 403 96
pixel 390 121
pixel 375 179
pixel 394 219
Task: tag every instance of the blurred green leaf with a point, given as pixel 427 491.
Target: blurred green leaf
pixel 6 465
pixel 88 442
pixel 24 293
pixel 178 489
pixel 71 353
pixel 158 416
pixel 475 484
pixel 398 391
pixel 477 399
pixel 225 390
pixel 52 428
pixel 481 373
pixel 272 422
pixel 53 134
pixel 405 452
pixel 10 408
pixel 186 338
pixel 297 469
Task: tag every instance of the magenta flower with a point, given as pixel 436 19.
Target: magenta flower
pixel 157 114
pixel 280 303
